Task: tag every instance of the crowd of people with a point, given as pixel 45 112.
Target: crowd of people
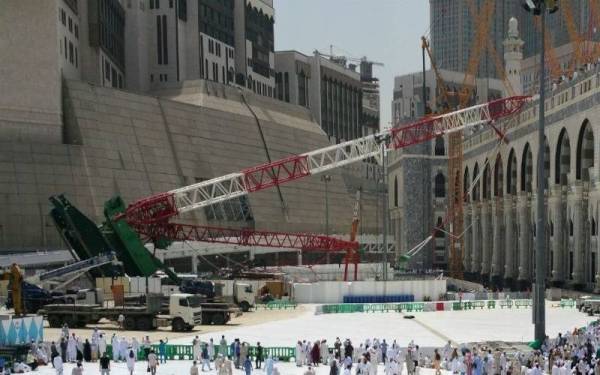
pixel 576 352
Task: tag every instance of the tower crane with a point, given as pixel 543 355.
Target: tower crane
pixel 151 217
pixel 574 36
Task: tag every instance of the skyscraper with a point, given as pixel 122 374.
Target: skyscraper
pixel 453 28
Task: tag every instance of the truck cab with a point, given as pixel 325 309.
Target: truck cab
pixel 185 311
pixel 243 296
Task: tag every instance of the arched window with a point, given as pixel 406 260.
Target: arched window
pixel 440 186
pixel 439 149
pixel 396 191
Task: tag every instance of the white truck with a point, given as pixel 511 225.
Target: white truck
pixel 185 312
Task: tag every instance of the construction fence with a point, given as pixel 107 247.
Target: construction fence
pixel 346 308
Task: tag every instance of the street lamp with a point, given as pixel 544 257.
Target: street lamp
pixel 326 178
pixel 383 141
pixel 539 8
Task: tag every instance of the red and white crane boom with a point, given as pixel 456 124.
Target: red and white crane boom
pixel 150 216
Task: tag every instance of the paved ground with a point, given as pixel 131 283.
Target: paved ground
pixel 427 329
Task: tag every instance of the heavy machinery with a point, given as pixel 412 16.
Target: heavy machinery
pixel 25 295
pixel 126 228
pixel 185 312
pixel 243 295
pixel 353 256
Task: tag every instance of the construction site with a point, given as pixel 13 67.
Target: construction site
pixel 233 214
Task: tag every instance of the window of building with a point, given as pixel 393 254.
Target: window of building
pixel 151 4
pixel 571 229
pixel 440 185
pixel 76 31
pixel 218 50
pixel 76 58
pixel 71 58
pixel 151 77
pixel 439 147
pixel 206 70
pixel 107 70
pixel 157 4
pixel 70 25
pixel 120 81
pixel 286 86
pixel 593 226
pixel 159 39
pixel 165 45
pixel 223 77
pixel 66 55
pixel 114 78
pixel 170 3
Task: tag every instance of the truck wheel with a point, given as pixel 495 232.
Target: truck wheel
pixel 144 324
pixel 245 306
pixel 129 323
pixel 218 319
pixel 178 325
pixel 54 321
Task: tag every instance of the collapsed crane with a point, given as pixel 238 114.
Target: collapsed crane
pixel 150 219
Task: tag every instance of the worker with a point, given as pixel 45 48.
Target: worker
pixel 146 345
pixel 259 355
pixel 205 357
pixel 15 281
pixel 211 349
pixel 269 365
pixel 196 348
pixel 58 365
pixel 78 369
pixel 104 364
pixel 223 346
pixel 65 331
pixel 247 366
pixel 162 350
pixel 130 361
pixel 194 369
pixel 71 349
pixel 152 362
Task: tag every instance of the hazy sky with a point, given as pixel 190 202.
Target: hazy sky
pixel 387 31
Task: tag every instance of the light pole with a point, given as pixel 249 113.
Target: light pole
pixel 383 143
pixel 326 178
pixel 539 7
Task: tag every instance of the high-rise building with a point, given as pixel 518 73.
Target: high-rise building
pixel 330 89
pixel 453 28
pixel 255 45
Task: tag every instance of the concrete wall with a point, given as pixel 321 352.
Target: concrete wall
pixel 334 291
pixel 30 67
pixel 136 146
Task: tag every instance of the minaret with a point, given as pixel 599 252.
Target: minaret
pixel 513 55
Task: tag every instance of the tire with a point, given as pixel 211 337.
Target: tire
pixel 245 306
pixel 218 319
pixel 143 324
pixel 129 324
pixel 178 325
pixel 55 321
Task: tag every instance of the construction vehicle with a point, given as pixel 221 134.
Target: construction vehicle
pixel 243 295
pixel 126 228
pixel 25 295
pixel 184 312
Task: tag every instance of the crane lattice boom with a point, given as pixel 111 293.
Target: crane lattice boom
pixel 150 216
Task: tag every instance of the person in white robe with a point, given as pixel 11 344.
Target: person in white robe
pixel 71 349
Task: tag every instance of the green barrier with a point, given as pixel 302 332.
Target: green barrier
pixel 280 305
pixel 419 306
pixel 186 352
pixel 567 303
pixel 479 304
pixel 491 304
pixel 456 306
pixel 508 303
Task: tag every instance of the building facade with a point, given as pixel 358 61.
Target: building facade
pixel 333 91
pixel 500 213
pixel 255 45
pixel 414 212
pixel 453 27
